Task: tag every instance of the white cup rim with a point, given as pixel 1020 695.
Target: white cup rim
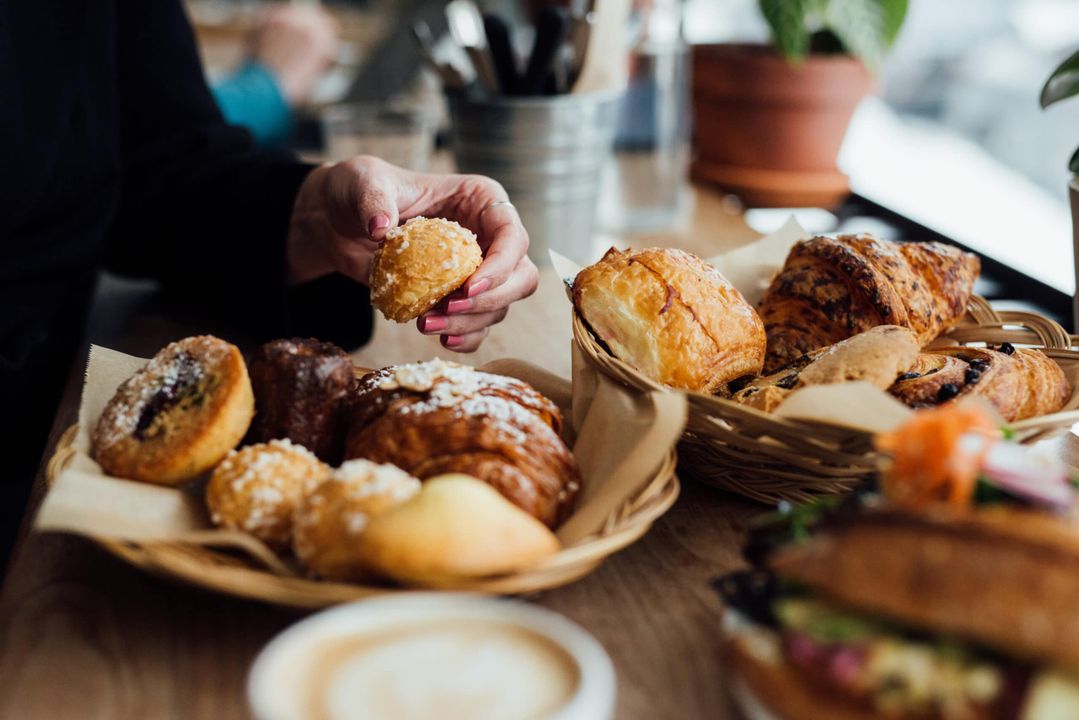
pixel 595 693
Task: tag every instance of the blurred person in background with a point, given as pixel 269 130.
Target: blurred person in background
pixel 288 50
pixel 115 154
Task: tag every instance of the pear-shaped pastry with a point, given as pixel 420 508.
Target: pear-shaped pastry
pixel 455 526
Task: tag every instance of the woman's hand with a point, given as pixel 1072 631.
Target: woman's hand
pixel 343 211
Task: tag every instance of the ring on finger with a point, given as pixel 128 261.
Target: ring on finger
pixel 498 203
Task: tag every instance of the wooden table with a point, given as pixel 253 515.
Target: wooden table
pixel 84 636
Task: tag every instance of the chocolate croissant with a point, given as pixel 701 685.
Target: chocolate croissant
pixel 1021 383
pixel 832 288
pixel 672 316
pixel 436 417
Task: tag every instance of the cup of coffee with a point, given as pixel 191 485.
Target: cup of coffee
pixel 424 655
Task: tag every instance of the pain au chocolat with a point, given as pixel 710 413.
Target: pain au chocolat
pixel 672 316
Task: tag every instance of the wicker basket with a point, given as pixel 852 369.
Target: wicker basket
pixel 239 575
pixel 769 458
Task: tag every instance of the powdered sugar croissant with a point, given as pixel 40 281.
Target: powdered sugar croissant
pixel 437 417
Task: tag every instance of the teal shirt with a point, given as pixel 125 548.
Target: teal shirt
pixel 251 98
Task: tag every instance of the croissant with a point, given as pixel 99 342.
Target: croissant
pixel 672 316
pixel 1021 383
pixel 436 417
pixel 832 288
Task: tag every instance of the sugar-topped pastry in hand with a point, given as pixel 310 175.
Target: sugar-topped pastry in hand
pixel 419 264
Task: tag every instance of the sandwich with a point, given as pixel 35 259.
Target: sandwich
pixel 951 593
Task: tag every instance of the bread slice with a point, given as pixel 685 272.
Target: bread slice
pixel 876 356
pixel 1002 576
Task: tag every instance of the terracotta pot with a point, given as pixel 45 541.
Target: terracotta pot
pixel 770 131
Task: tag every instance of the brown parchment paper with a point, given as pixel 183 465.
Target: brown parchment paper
pixel 750 268
pixel 620 439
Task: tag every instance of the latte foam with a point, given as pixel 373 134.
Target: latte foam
pixel 471 669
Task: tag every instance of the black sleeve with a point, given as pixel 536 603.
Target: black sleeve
pixel 204 210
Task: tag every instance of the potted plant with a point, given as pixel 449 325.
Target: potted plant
pixel 1063 83
pixel 769 120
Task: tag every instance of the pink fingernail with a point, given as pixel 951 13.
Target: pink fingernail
pixel 458 306
pixel 479 286
pixel 451 341
pixel 378 222
pixel 434 323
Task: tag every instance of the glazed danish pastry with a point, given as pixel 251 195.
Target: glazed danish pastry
pixel 436 417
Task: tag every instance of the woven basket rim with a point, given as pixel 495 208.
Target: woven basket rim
pixel 744 449
pixel 215 570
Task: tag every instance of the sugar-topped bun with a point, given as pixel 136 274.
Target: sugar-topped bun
pixel 256 489
pixel 672 316
pixel 329 520
pixel 178 416
pixel 419 264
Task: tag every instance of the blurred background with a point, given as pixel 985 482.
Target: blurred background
pixel 952 144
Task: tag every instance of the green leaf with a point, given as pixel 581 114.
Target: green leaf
pixel 895 11
pixel 787 19
pixel 1063 83
pixel 860 25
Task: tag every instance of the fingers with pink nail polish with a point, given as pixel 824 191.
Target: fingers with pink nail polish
pixel 377 223
pixel 459 305
pixel 465 342
pixel 475 288
pixel 431 324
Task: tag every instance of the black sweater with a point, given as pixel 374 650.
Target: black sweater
pixel 114 153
